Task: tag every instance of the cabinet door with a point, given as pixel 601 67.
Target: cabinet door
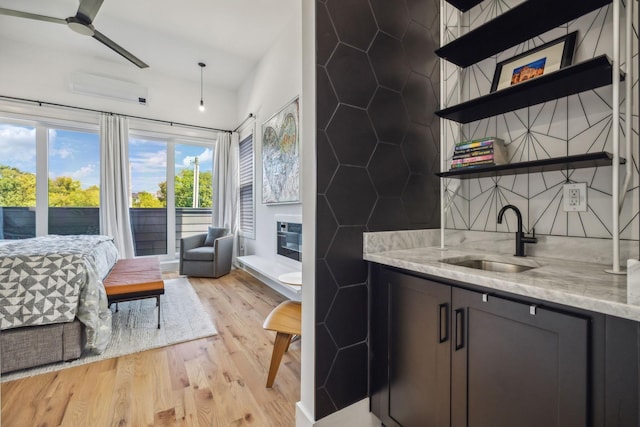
pixel 514 365
pixel 419 351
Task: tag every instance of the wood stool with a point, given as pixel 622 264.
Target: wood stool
pixel 286 320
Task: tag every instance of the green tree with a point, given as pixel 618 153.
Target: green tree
pixel 184 189
pixel 145 199
pixel 65 191
pixel 17 188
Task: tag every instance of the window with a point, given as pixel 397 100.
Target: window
pixel 169 200
pixel 148 197
pixel 74 182
pixel 17 181
pixel 49 177
pixel 247 206
pixel 50 180
pixel 193 191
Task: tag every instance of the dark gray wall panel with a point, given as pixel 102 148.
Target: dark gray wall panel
pixel 378 149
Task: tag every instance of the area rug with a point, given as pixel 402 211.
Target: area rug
pixel 135 327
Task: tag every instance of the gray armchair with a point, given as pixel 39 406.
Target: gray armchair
pixel 199 260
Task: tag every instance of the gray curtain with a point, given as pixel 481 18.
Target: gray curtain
pixel 225 183
pixel 114 182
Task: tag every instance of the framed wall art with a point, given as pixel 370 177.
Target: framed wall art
pixel 281 156
pixel 534 63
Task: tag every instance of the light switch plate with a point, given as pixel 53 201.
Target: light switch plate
pixel 575 197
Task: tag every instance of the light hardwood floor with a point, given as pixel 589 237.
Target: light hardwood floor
pixel 214 381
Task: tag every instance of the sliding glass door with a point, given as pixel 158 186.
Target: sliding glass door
pixel 74 182
pixel 148 196
pixel 193 174
pixel 17 181
pixel 171 191
pixel 50 182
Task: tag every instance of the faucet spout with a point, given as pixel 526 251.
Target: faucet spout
pixel 521 239
pixel 517 212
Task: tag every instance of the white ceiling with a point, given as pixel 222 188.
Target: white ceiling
pixel 172 36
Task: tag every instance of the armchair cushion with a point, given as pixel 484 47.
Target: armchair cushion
pixel 203 253
pixel 213 234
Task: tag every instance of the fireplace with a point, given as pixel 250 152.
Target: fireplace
pixel 289 239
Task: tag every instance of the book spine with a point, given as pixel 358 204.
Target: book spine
pixel 472 150
pixel 472 153
pixel 473 159
pixel 474 144
pixel 470 165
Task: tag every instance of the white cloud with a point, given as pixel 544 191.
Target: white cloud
pixel 63 153
pixel 88 175
pixel 83 172
pixel 147 162
pixel 18 146
pixel 205 156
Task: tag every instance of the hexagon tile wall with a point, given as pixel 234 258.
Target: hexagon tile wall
pixel 377 151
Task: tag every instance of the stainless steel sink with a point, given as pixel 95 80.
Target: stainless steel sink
pixel 489 265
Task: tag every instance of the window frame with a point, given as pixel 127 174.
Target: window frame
pixel 42 125
pixel 171 138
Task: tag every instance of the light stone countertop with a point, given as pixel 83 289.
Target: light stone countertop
pixel 577 284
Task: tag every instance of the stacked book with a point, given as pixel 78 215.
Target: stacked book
pixel 479 152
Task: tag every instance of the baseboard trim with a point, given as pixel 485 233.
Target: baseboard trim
pixel 303 417
pixel 356 415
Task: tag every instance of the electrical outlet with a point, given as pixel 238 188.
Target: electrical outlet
pixel 575 197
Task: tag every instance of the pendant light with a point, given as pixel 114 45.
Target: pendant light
pixel 202 65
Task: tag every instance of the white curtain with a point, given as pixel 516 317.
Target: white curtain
pixel 225 183
pixel 114 182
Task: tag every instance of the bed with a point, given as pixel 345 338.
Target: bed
pixel 53 305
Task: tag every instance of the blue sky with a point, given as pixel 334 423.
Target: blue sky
pixel 76 154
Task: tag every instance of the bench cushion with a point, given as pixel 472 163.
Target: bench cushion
pixel 133 276
pixel 203 253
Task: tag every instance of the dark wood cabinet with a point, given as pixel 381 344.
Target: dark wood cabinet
pixel 514 364
pixel 412 350
pixel 447 354
pixel 419 352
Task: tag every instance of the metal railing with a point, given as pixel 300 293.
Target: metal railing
pixel 148 225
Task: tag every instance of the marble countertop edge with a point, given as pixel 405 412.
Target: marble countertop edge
pixel 575 284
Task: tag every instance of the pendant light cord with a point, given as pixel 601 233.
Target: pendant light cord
pixel 202 65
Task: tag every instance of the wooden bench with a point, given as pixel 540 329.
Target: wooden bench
pixel 134 279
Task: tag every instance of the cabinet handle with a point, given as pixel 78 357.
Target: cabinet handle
pixel 459 329
pixel 443 332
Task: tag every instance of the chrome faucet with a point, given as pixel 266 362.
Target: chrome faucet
pixel 521 239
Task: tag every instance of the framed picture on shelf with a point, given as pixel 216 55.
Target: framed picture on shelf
pixel 534 63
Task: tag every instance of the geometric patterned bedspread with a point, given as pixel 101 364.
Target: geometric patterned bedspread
pixel 53 279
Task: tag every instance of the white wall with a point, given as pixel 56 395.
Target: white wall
pixel 44 75
pixel 305 408
pixel 577 124
pixel 276 80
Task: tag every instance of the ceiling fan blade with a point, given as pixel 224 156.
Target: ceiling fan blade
pixel 28 15
pixel 118 49
pixel 88 9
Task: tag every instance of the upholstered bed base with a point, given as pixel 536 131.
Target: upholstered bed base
pixel 30 346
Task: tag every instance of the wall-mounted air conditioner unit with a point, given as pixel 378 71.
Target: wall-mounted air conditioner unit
pixel 119 90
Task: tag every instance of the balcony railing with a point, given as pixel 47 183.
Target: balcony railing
pixel 148 225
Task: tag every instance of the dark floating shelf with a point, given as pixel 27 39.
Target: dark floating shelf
pixel 523 22
pixel 579 161
pixel 576 78
pixel 463 5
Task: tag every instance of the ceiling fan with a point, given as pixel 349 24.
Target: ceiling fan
pixel 81 23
